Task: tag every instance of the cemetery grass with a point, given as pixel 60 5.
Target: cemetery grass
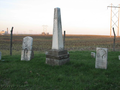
pixel 78 74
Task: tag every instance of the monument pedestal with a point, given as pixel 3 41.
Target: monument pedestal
pixel 57 57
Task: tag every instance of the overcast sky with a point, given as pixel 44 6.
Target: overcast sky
pixel 78 16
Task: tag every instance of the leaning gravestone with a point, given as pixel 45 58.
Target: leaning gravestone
pixel 0 55
pixel 101 58
pixel 27 51
pixel 57 55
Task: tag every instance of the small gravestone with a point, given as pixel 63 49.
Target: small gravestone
pixel 27 51
pixel 101 58
pixel 57 55
pixel 0 55
pixel 119 57
pixel 93 54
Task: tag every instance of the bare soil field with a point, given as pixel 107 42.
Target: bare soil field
pixel 72 42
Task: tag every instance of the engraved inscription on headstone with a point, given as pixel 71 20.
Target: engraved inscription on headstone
pixel 27 51
pixel 101 58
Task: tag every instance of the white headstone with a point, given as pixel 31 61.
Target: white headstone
pixel 27 52
pixel 57 39
pixel 0 55
pixel 119 57
pixel 93 54
pixel 101 58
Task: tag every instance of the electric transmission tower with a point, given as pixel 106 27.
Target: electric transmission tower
pixel 44 28
pixel 114 18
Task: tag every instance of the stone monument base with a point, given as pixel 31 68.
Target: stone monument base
pixel 57 57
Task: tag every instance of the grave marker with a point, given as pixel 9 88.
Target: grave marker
pixel 27 51
pixel 101 58
pixel 119 57
pixel 93 54
pixel 57 55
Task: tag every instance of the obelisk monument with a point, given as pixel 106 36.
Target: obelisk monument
pixel 57 55
pixel 57 40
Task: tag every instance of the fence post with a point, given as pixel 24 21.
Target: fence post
pixel 114 40
pixel 64 39
pixel 11 42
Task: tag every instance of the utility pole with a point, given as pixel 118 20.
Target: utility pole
pixel 118 19
pixel 113 22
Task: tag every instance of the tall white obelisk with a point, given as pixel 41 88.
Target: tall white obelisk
pixel 57 39
pixel 57 55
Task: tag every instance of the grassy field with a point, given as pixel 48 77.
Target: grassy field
pixel 72 42
pixel 78 74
